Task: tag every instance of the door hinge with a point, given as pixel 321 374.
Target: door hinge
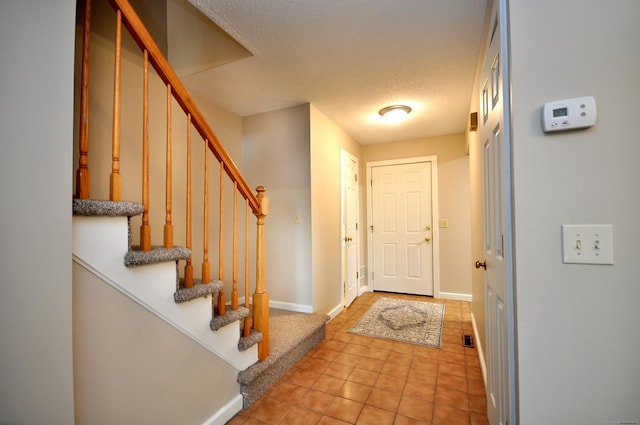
pixel 357 275
pixel 355 177
pixel 371 228
pixel 356 226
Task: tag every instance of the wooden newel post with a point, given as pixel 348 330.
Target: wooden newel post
pixel 261 297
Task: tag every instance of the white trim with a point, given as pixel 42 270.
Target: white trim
pixel 344 155
pixel 300 308
pixel 456 297
pixel 100 244
pixel 336 310
pixel 435 215
pixel 483 365
pixel 227 412
pixel 364 289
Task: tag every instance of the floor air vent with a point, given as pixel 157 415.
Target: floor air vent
pixel 467 341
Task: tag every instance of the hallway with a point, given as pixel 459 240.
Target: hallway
pixel 352 379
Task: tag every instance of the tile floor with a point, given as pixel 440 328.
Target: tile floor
pixel 353 379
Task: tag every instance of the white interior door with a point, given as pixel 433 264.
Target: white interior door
pixel 402 233
pixel 350 227
pixel 496 219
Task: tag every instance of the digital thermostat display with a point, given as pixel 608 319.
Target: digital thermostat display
pixel 560 112
pixel 569 114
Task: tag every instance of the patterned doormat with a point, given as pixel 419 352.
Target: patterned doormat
pixel 416 322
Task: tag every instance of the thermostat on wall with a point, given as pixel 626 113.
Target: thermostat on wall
pixel 569 114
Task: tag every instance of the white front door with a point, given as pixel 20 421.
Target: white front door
pixel 350 227
pixel 497 219
pixel 402 233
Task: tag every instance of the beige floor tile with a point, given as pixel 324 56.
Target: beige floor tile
pixel 373 416
pixel 344 409
pixel 354 379
pixel 384 399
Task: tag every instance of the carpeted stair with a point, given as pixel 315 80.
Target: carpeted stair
pixel 292 335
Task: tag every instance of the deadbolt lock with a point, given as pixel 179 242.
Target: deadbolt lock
pixel 428 228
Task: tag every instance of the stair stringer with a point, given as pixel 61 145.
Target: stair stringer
pixel 100 245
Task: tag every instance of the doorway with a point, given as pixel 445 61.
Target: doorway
pixel 493 169
pixel 402 238
pixel 349 217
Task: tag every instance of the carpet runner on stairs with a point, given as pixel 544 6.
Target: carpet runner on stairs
pixel 292 335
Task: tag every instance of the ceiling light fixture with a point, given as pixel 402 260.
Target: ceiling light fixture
pixel 395 113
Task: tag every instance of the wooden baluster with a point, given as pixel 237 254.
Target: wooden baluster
pixel 115 180
pixel 247 320
pixel 206 267
pixel 261 297
pixel 168 226
pixel 222 308
pixel 145 228
pixel 82 175
pixel 234 290
pixel 188 268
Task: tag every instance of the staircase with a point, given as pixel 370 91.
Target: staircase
pixel 159 275
pixel 102 243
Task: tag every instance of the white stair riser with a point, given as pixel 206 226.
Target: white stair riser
pixel 100 244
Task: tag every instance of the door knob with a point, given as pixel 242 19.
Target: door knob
pixel 427 239
pixel 482 264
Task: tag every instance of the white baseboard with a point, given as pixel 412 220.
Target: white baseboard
pixel 363 289
pixel 335 311
pixel 483 365
pixel 455 297
pixel 227 412
pixel 300 308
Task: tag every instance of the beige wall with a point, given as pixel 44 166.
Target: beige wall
pixel 453 188
pixel 131 367
pixel 226 126
pixel 277 155
pixel 326 141
pixel 36 357
pixel 577 325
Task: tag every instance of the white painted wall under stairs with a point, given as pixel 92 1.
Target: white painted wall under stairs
pixel 100 244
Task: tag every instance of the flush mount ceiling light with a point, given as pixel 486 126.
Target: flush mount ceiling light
pixel 395 113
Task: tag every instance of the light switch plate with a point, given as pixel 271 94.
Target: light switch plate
pixel 587 243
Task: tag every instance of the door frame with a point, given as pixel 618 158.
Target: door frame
pixel 433 159
pixel 344 156
pixel 509 256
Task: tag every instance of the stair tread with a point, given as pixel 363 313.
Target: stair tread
pixel 230 316
pixel 96 207
pixel 286 332
pixel 247 342
pixel 198 290
pixel 158 254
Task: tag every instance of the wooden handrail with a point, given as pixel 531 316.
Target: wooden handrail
pixel 167 74
pixel 257 204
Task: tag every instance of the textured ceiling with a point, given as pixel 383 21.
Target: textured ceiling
pixel 350 58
